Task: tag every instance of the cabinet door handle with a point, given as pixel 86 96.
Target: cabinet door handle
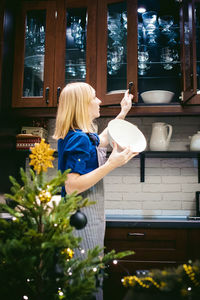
pixel 47 95
pixel 58 93
pixel 136 234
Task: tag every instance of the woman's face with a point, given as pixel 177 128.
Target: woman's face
pixel 94 108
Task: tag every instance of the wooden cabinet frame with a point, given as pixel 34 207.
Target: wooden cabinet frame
pixel 115 98
pixel 62 6
pixel 17 99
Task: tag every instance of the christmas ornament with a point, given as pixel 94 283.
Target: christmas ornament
pixel 41 157
pixel 78 220
pixel 69 253
pixel 44 196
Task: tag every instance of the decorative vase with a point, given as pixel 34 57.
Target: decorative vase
pixel 160 136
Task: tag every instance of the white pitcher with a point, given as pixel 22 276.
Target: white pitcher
pixel 160 136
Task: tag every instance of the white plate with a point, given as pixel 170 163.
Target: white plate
pixel 126 134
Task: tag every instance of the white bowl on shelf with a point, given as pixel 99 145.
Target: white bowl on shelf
pixel 157 96
pixel 126 134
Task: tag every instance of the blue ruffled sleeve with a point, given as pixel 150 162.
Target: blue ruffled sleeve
pixel 77 153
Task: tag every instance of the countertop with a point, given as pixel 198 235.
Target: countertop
pixel 128 221
pixel 152 222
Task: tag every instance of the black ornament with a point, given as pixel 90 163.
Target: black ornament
pixel 78 220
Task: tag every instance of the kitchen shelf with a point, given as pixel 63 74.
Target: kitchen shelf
pixel 142 156
pixel 167 154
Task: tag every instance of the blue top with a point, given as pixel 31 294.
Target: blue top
pixel 77 151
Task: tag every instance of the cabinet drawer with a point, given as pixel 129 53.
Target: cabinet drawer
pixel 148 244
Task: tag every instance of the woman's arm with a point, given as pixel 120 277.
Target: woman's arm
pixel 126 105
pixel 81 183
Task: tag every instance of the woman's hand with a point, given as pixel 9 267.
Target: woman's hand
pixel 118 159
pixel 126 102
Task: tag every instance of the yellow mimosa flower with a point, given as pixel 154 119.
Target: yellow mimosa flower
pixel 41 157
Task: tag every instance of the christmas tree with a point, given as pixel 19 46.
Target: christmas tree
pixel 37 243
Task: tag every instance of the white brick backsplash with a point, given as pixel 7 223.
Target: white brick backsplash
pixel 127 188
pixel 113 179
pixel 113 196
pixel 162 205
pixel 153 179
pixel 122 171
pixel 142 196
pixel 188 205
pixel 177 163
pixel 189 171
pixel 168 188
pixel 162 171
pixel 130 179
pixel 188 188
pixel 152 163
pixel 170 183
pixel 132 205
pixel 178 196
pixel 179 179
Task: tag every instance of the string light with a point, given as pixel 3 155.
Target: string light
pixel 115 262
pixel 14 218
pixel 81 250
pixel 94 269
pixel 191 274
pixel 25 297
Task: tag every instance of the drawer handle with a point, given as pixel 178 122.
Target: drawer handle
pixel 136 234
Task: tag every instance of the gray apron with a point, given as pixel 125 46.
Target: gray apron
pixel 93 234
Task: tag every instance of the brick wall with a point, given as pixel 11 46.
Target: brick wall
pixel 170 184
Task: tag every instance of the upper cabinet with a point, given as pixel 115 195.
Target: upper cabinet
pixel 34 55
pixel 55 44
pixel 109 43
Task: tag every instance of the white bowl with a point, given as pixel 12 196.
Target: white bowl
pixel 157 96
pixel 126 134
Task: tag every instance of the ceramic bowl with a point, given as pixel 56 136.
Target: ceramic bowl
pixel 157 96
pixel 126 134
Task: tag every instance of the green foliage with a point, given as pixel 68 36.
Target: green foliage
pixel 32 263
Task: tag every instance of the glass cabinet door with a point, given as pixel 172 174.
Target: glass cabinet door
pixel 75 43
pixel 117 57
pixel 197 26
pixel 196 66
pixel 34 55
pixel 159 54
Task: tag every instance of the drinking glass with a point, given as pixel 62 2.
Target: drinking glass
pixel 167 58
pixel 149 20
pixel 143 57
pixel 165 23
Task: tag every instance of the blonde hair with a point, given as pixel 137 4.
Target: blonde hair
pixel 72 110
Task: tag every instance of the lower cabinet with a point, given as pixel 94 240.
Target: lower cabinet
pixel 154 248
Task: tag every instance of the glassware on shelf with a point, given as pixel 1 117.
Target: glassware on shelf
pixel 149 20
pixel 76 33
pixel 117 26
pixel 143 58
pixel 35 30
pixel 167 57
pixel 114 59
pixel 81 68
pixel 70 69
pixel 165 23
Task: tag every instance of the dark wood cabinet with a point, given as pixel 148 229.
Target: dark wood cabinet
pixel 154 248
pixel 47 56
pixel 104 51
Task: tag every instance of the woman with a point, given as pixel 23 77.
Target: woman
pixel 79 149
